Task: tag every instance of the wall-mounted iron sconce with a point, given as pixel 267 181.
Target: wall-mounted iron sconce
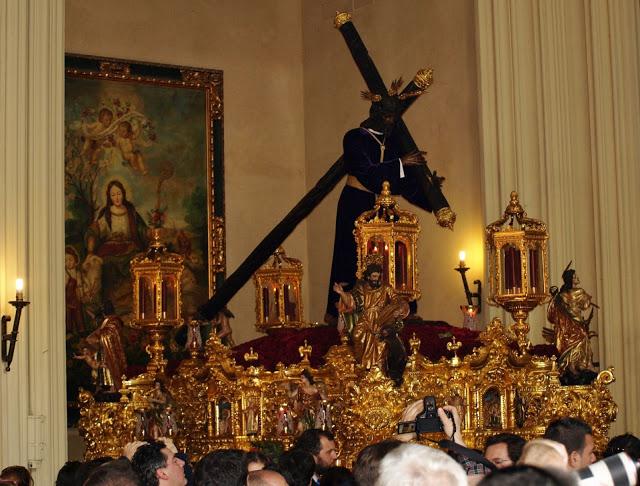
pixel 9 339
pixel 462 269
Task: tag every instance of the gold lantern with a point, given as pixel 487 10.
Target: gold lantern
pixel 156 297
pixel 393 233
pixel 518 266
pixel 279 293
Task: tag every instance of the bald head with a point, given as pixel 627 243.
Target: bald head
pixel 265 478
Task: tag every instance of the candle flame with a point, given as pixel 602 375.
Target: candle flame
pixel 462 256
pixel 19 285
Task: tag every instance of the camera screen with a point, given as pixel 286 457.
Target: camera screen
pixel 406 427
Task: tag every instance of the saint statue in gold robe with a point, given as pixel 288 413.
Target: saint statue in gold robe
pixel 570 312
pixel 377 308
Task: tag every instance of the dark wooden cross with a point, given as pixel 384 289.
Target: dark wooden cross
pixel 428 181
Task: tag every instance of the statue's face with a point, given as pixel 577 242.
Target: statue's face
pixel 576 280
pixel 374 279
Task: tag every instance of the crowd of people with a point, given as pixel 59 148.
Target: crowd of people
pixel 507 459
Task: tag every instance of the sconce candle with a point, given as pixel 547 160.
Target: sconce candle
pixel 462 270
pixel 9 338
pixel 19 289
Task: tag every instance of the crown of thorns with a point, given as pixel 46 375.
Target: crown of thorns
pixel 392 91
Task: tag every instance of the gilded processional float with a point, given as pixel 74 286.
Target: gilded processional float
pixel 211 402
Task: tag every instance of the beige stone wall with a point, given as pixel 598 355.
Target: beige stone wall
pixel 402 37
pixel 258 45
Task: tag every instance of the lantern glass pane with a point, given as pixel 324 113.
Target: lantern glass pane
pixel 290 303
pixel 145 298
pixel 511 260
pixel 169 298
pixel 403 275
pixel 535 270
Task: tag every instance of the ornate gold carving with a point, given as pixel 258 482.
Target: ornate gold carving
pixel 115 69
pixel 423 78
pixel 251 355
pixel 384 231
pixel 219 403
pixel 217 257
pixel 278 286
pixel 454 345
pixel 341 18
pixel 305 351
pixel 445 217
pixel 518 268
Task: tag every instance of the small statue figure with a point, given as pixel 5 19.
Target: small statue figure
pixel 570 311
pixel 168 425
pixel 222 327
pixel 158 397
pixel 100 374
pixel 308 403
pixel 379 310
pixel 252 417
pixel 224 421
pixel 284 422
pixel 102 350
pixel 323 417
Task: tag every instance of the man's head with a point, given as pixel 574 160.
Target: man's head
pixel 418 464
pixel 265 477
pixel 19 474
pixel 504 450
pixel 158 466
pixel 321 445
pixel 114 473
pixel 367 465
pixel 67 474
pixel 384 114
pixel 523 475
pixel 297 466
pixel 577 437
pixel 373 275
pixel 223 467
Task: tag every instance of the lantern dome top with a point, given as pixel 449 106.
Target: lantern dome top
pixel 515 213
pixel 157 253
pixel 386 209
pixel 281 260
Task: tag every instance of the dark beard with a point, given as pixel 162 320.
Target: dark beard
pixel 375 284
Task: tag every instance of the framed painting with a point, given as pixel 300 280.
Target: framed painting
pixel 143 149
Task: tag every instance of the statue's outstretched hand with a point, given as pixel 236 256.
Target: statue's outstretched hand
pixel 414 158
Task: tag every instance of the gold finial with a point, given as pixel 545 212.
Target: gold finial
pixel 514 208
pixel 454 345
pixel 341 18
pixel 385 199
pixel 305 351
pixel 251 355
pixel 423 78
pixel 414 344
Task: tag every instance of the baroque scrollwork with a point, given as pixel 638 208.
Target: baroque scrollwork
pixel 221 404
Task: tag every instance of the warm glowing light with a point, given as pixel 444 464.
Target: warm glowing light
pixel 462 255
pixel 19 289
